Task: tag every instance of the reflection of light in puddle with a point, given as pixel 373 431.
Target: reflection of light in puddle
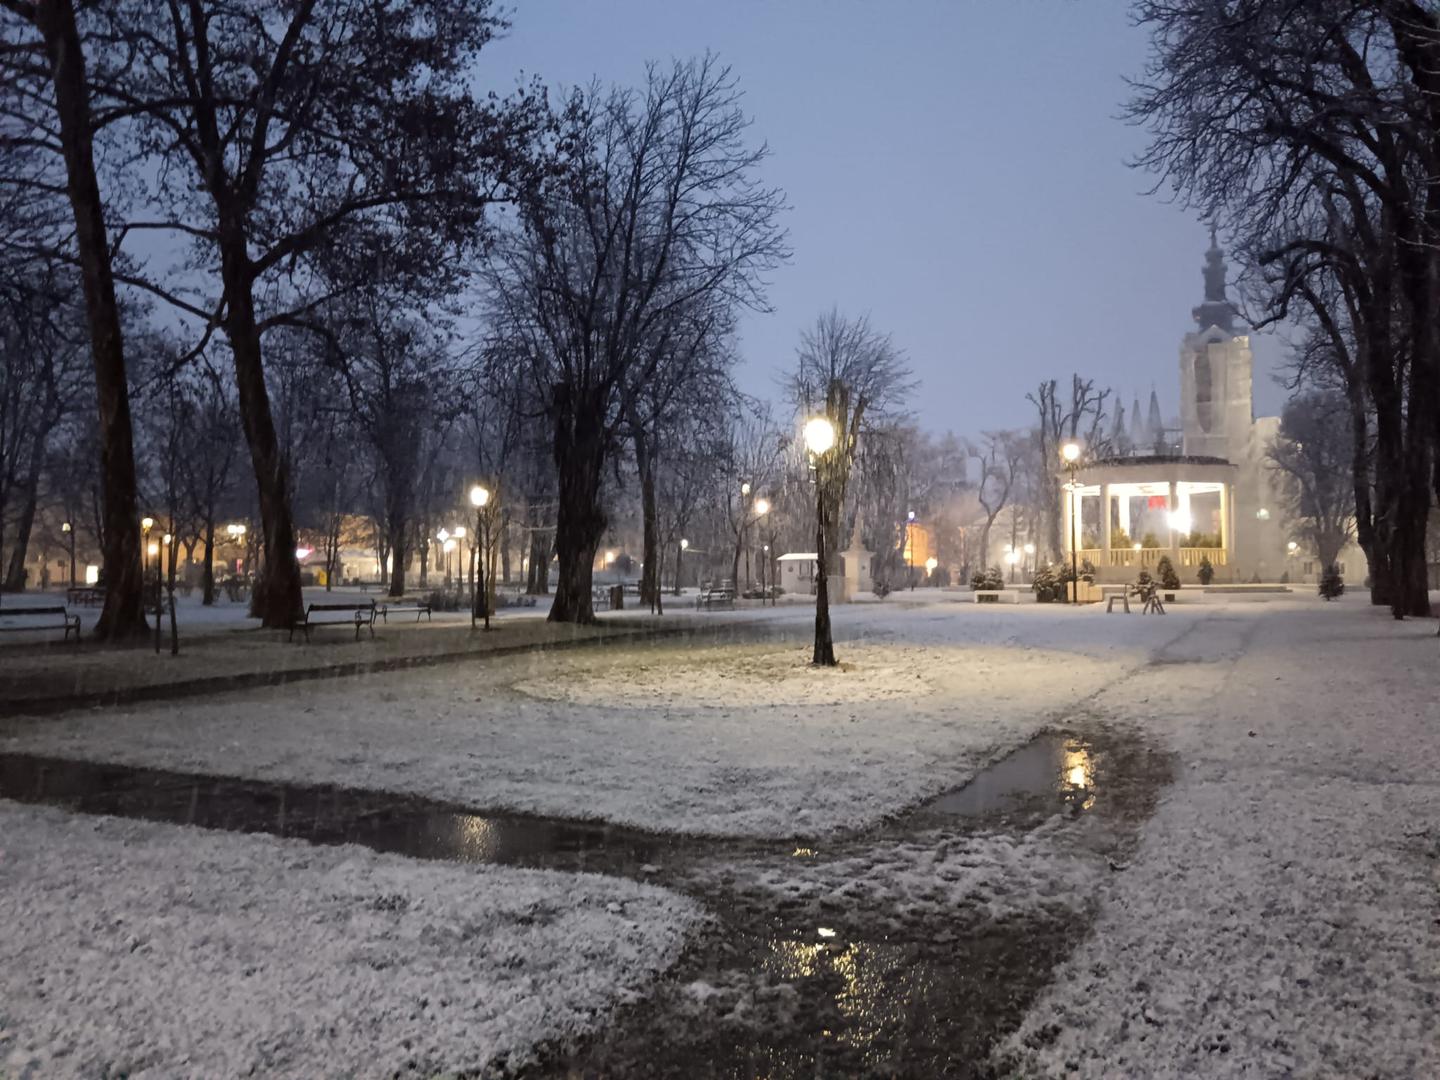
pixel 476 837
pixel 880 986
pixel 1078 770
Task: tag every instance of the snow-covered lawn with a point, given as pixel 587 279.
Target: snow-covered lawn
pixel 136 949
pixel 1282 916
pixel 698 737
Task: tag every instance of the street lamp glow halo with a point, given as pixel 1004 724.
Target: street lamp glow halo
pixel 762 506
pixel 1070 452
pixel 479 496
pixel 819 435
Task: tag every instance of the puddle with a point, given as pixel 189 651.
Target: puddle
pixel 402 824
pixel 768 989
pixel 1053 772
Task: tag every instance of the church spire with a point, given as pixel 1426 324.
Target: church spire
pixel 1216 310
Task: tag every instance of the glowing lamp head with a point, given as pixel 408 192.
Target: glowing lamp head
pixel 448 545
pixel 819 435
pixel 1070 452
pixel 479 496
pixel 304 552
pixel 458 532
pixel 684 544
pixel 166 538
pixel 610 557
pixel 147 523
pixel 910 515
pixel 1029 549
pixel 65 527
pixel 1137 547
pixel 443 535
pixel 762 506
pixel 745 488
pixel 1292 547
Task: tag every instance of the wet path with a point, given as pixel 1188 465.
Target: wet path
pixel 813 965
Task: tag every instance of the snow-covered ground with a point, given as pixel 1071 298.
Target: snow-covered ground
pixel 1282 916
pixel 144 950
pixel 696 737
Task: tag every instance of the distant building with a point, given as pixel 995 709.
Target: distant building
pixel 1212 497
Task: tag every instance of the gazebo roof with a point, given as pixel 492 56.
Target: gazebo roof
pixel 1161 459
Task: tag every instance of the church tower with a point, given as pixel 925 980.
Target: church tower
pixel 1217 411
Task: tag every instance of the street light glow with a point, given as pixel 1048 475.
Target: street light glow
pixel 684 544
pixel 931 564
pixel 1029 549
pixel 65 527
pixel 1070 452
pixel 1180 521
pixel 147 523
pixel 762 506
pixel 819 435
pixel 745 488
pixel 443 535
pixel 479 496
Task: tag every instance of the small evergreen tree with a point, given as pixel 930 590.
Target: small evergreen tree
pixel 1205 571
pixel 1331 583
pixel 1169 579
pixel 1047 585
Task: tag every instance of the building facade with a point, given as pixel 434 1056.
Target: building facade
pixel 1204 496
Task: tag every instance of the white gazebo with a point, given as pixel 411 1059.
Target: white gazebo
pixel 1124 514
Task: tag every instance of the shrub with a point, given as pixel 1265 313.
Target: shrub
pixel 1331 583
pixel 439 600
pixel 1143 579
pixel 1047 585
pixel 1119 538
pixel 1205 571
pixel 1087 571
pixel 1165 569
pixel 987 580
pixel 1149 540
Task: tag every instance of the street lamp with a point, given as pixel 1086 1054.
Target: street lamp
pixel 819 441
pixel 480 603
pixel 1070 457
pixel 761 507
pixel 679 560
pixel 70 535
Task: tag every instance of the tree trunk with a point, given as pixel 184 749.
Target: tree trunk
pixel 276 594
pixel 29 492
pixel 207 574
pixel 580 521
pixel 824 652
pixel 650 568
pixel 538 579
pixel 397 558
pixel 123 615
pixel 505 548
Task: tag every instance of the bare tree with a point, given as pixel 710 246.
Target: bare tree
pixel 659 212
pixel 855 378
pixel 999 454
pixel 46 70
pixel 1312 454
pixel 275 141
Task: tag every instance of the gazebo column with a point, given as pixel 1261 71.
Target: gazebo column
pixel 1104 524
pixel 1227 507
pixel 1125 514
pixel 1170 521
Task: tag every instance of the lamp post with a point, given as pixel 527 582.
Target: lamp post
pixel 909 550
pixel 444 537
pixel 1070 456
pixel 1030 560
pixel 745 507
pixel 480 603
pixel 820 441
pixel 762 507
pixel 679 557
pixel 151 550
pixel 69 532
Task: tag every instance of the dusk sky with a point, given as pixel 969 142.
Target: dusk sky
pixel 956 169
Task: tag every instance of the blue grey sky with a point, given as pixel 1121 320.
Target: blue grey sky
pixel 956 170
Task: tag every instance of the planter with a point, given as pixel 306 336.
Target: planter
pixel 987 599
pixel 1169 597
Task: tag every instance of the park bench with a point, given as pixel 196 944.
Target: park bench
pixel 85 595
pixel 715 597
pixel 361 615
pixel 600 597
pixel 49 613
pixel 997 595
pixel 420 607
